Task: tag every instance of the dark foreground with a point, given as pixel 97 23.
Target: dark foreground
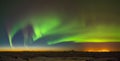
pixel 60 56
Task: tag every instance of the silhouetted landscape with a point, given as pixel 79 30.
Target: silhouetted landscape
pixel 59 56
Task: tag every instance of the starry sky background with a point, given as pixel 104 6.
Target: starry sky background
pixel 64 24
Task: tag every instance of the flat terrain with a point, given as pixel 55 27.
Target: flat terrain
pixel 59 56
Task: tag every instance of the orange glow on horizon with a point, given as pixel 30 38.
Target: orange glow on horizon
pixel 98 50
pixel 54 49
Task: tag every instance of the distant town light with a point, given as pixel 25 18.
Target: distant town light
pixel 98 50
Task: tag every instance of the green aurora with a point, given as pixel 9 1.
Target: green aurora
pixel 77 21
pixel 51 24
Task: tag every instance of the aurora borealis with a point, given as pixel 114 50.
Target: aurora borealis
pixel 53 23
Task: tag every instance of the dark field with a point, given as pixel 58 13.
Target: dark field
pixel 59 56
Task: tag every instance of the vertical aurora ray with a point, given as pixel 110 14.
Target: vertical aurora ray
pixel 10 41
pixel 14 29
pixel 42 26
pixel 28 33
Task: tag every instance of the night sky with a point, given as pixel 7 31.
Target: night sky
pixel 60 24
